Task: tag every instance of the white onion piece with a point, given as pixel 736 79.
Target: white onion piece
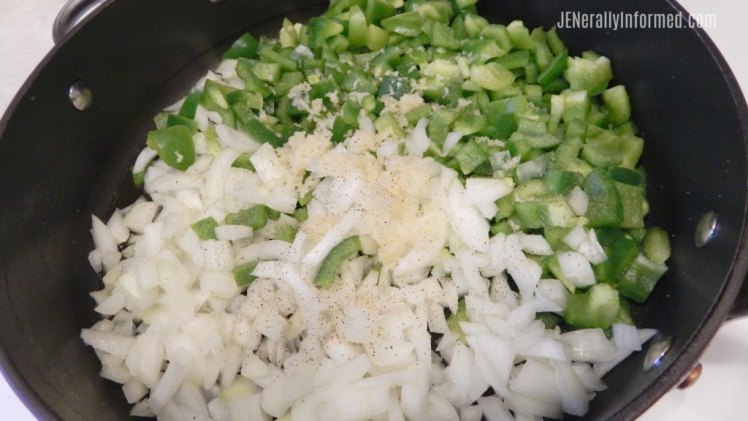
pixel 626 337
pixel 418 141
pixel 170 382
pixel 576 268
pixel 573 395
pixel 575 237
pixel 494 358
pixel 589 345
pixel 535 244
pixel 216 174
pixel 233 232
pixel 111 343
pixel 578 201
pixel 591 381
pixel 535 379
pixel 117 227
pixel 450 141
pixel 267 165
pixel 144 158
pixel 466 221
pixel 140 216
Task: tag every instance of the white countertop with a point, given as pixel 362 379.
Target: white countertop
pixel 25 37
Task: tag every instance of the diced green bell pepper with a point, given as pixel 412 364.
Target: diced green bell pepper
pixel 640 278
pixel 339 254
pixel 245 46
pixel 605 208
pixel 656 245
pixel 596 308
pixel 243 274
pixel 174 146
pixel 205 228
pixel 255 217
pixel 620 251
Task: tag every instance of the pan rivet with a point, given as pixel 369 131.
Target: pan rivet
pixel 80 95
pixel 656 353
pixel 705 229
pixel 691 378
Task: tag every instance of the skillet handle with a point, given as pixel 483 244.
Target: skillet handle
pixel 71 14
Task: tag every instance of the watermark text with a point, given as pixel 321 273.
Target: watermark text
pixel 636 20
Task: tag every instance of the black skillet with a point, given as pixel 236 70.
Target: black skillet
pixel 59 164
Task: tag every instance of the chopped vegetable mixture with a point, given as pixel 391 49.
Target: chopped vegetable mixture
pixel 397 210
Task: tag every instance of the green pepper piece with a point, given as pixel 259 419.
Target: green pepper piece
pixel 557 46
pixel 287 64
pixel 557 86
pixel 320 29
pixel 205 228
pixel 616 101
pixel 519 35
pixel 178 120
pixel 491 76
pixel 596 308
pixel 174 146
pixel 620 251
pixel 393 86
pixel 550 320
pixel 285 232
pixel 447 93
pixel 244 69
pixel 632 198
pixel 243 274
pixel 439 123
pixel 245 46
pixel 501 227
pixel 340 130
pixel 656 245
pixel 377 38
pixel 350 111
pixel 255 217
pixel 416 114
pixel 443 36
pixel 242 161
pixel 474 25
pixel 505 207
pixel 605 208
pixel 407 24
pixel 554 70
pixel 542 52
pixel 514 60
pixel 547 210
pixel 626 176
pixel 268 72
pixel 588 74
pixel 454 319
pixel 640 279
pixel 287 82
pixel 301 214
pixel 562 182
pixel 321 89
pixel 330 267
pixel 500 34
pixel 259 132
pixel 471 156
pixel 189 106
pixel 358 28
pixel 358 81
pixel 376 10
